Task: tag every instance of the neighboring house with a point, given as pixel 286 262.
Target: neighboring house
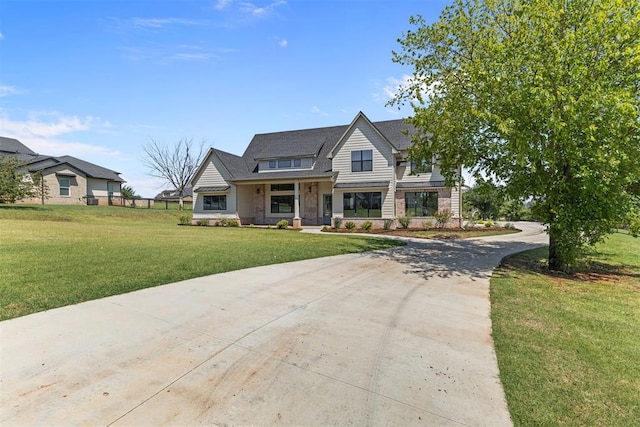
pixel 358 172
pixel 70 181
pixel 173 196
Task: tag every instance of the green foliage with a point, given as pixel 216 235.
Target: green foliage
pixel 17 184
pixel 515 210
pixel 366 226
pixel 541 95
pixel 283 224
pixel 128 192
pixel 483 201
pixel 185 220
pixel 233 223
pixel 442 217
pixel 387 224
pixel 350 225
pixel 337 222
pixel 488 224
pixel 203 222
pixel 404 221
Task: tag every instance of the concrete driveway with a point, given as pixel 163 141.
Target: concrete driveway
pixel 397 337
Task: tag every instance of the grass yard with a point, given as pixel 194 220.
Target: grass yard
pixel 52 256
pixel 568 347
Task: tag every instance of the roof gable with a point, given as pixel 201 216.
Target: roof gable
pixel 359 116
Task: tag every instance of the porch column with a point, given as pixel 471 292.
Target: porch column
pixel 296 205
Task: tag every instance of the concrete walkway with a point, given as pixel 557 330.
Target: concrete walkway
pixel 396 337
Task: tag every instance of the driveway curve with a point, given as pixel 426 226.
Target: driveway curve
pixel 395 337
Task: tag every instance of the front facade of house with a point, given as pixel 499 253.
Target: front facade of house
pixel 358 172
pixel 68 180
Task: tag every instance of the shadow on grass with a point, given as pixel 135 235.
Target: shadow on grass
pixel 589 270
pixel 23 207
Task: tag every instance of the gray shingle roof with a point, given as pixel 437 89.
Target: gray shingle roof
pixel 10 146
pixel 316 142
pixel 13 146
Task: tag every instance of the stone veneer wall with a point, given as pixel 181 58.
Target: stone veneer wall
pixel 258 203
pixel 310 208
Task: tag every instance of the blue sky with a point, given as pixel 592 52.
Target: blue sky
pixel 99 79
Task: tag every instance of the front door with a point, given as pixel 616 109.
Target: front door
pixel 327 209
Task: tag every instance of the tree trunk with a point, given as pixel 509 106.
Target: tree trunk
pixel 180 204
pixel 557 259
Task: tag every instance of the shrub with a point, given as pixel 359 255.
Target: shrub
pixel 233 223
pixel 185 220
pixel 366 226
pixel 488 224
pixel 442 217
pixel 426 224
pixel 325 228
pixel 251 226
pixel 387 224
pixel 350 225
pixel 202 222
pixel 282 224
pixel 337 222
pixel 222 222
pixel 509 226
pixel 404 221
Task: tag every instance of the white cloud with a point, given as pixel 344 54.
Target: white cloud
pixel 394 86
pixel 252 9
pixel 41 131
pixel 222 4
pixel 316 110
pixel 1 36
pixel 8 90
pixel 283 43
pixel 161 22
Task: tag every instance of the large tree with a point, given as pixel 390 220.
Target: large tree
pixel 175 164
pixel 16 183
pixel 542 95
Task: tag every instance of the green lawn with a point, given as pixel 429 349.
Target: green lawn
pixel 51 256
pixel 569 347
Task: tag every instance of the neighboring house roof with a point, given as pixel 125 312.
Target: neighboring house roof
pixel 13 147
pixel 173 194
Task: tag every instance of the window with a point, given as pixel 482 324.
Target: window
pixel 281 187
pixel 361 160
pixel 362 205
pixel 65 184
pixel 272 164
pixel 421 166
pixel 215 203
pixel 282 204
pixel 421 204
pixel 297 163
pixel 284 163
pixel 110 189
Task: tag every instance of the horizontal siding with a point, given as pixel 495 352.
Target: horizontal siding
pixel 455 202
pixel 363 137
pixel 404 175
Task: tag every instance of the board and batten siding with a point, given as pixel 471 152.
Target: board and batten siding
pixel 214 175
pixel 363 137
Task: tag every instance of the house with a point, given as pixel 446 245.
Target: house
pixel 358 172
pixel 69 180
pixel 173 196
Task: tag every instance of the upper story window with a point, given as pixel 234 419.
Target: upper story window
pixel 285 163
pixel 361 160
pixel 421 166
